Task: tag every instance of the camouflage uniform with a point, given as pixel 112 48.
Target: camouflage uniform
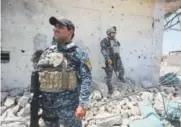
pixel 59 107
pixel 110 51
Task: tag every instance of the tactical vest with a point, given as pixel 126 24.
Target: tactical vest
pixel 56 73
pixel 112 46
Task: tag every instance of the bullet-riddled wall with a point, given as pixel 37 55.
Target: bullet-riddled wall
pixel 25 28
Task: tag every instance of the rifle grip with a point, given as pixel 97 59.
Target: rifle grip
pixel 34 81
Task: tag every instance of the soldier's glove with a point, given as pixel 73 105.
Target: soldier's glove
pixel 109 61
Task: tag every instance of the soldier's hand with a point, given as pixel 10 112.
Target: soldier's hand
pixel 109 61
pixel 80 112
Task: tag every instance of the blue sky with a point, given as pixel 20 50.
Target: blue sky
pixel 171 41
pixel 171 38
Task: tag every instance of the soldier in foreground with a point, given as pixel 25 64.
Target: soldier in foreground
pixel 110 51
pixel 65 79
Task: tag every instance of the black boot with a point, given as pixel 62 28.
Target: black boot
pixel 110 90
pixel 121 79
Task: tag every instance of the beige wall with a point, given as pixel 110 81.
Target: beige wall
pixel 140 30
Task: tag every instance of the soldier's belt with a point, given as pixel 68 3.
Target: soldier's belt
pixel 57 81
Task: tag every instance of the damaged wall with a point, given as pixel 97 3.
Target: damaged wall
pixel 25 28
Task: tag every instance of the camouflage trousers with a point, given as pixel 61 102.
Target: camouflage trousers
pixel 117 67
pixel 66 119
pixel 59 109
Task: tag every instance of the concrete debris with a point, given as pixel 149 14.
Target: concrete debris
pixel 97 96
pixel 18 98
pixel 110 121
pixel 170 79
pixel 124 114
pixel 3 109
pixel 4 88
pixel 158 104
pixel 15 121
pixel 10 113
pixel 104 112
pixel 100 86
pixel 25 111
pixel 9 101
pixel 27 94
pixel 146 95
pixel 177 99
pixel 108 108
pixel 116 94
pixel 173 110
pixel 16 92
pixel 16 109
pixel 125 122
pixel 135 111
pixel 146 84
pixel 4 96
pixel 102 109
pixel 133 118
pixel 23 101
pixel 151 118
pixel 168 90
pixel 123 102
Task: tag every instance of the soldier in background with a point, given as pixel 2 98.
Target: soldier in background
pixel 65 78
pixel 110 48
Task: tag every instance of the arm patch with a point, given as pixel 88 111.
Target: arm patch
pixel 88 64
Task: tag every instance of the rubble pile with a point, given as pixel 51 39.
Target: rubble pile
pixel 111 111
pixel 15 108
pixel 121 112
pixel 170 78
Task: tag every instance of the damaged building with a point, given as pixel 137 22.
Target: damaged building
pixel 140 25
pixel 25 29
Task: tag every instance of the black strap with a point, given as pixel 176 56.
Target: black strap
pixel 52 119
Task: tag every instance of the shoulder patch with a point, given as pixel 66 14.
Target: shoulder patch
pixel 88 64
pixel 83 57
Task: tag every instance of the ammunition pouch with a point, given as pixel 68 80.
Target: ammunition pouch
pixel 56 81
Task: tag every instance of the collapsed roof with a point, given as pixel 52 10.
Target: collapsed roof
pixel 172 6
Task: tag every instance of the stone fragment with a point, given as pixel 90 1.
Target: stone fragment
pixel 15 109
pixel 116 94
pixel 3 109
pixel 4 96
pixel 168 89
pixel 125 122
pixel 146 84
pixel 146 95
pixel 108 108
pixel 132 118
pixel 97 95
pixel 23 101
pixel 102 109
pixel 124 114
pixel 4 88
pixel 108 120
pixel 25 111
pixel 123 102
pixel 177 99
pixel 9 101
pixel 135 111
pixel 16 92
pixel 124 107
